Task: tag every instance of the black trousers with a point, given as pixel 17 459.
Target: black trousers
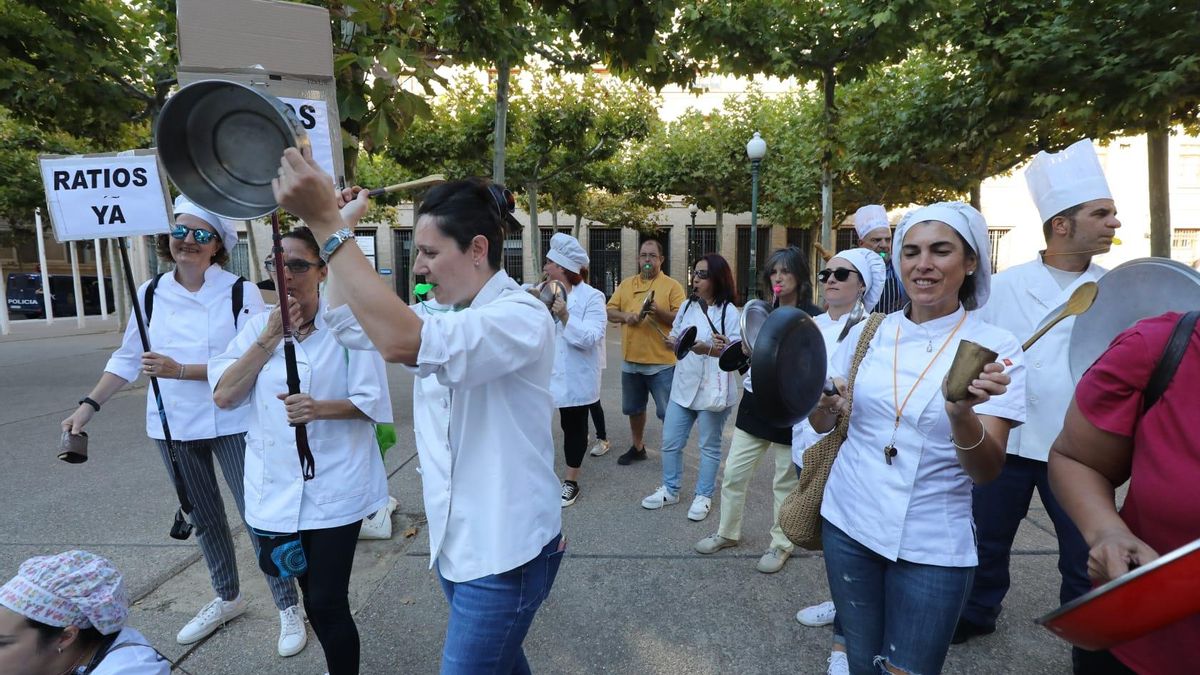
pixel 326 589
pixel 574 422
pixel 597 410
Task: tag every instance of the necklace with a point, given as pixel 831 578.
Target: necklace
pixel 889 450
pixel 310 325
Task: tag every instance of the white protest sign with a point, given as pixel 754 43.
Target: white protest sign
pixel 314 117
pixel 102 196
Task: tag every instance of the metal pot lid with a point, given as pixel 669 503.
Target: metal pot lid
pixel 686 339
pixel 220 143
pixel 788 366
pixel 1132 291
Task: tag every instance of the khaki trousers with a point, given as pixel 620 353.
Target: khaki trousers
pixel 744 453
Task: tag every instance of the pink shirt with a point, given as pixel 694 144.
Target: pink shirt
pixel 1163 504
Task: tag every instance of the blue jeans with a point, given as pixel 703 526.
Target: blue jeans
pixel 490 616
pixel 899 613
pixel 635 387
pixel 999 508
pixel 676 428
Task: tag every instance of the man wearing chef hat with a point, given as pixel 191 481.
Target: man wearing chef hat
pixel 875 234
pixel 1079 221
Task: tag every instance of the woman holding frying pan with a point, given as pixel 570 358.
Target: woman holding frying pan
pixel 700 390
pixel 496 556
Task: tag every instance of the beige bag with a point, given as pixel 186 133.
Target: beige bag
pixel 800 512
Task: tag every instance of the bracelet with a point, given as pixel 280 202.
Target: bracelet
pixel 88 400
pixel 982 435
pixel 264 348
pixel 182 370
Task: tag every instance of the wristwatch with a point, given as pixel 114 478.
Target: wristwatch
pixel 88 400
pixel 334 241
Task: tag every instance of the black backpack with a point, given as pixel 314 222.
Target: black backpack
pixel 236 292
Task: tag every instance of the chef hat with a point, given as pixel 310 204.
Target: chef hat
pixel 75 588
pixel 966 221
pixel 566 251
pixel 873 271
pixel 870 217
pixel 225 228
pixel 1058 181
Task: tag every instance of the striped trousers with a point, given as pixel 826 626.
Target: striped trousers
pixel 208 510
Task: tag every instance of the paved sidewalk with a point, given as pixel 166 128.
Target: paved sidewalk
pixel 631 597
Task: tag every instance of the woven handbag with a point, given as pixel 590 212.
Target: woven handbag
pixel 800 512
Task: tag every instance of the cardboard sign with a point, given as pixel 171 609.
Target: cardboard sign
pixel 102 196
pixel 314 117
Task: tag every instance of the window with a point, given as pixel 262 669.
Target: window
pixel 845 238
pixel 663 235
pixel 604 250
pixel 366 241
pixel 1185 239
pixel 514 262
pixel 402 252
pixel 743 260
pixel 239 258
pixel 995 234
pixel 546 234
pixel 703 242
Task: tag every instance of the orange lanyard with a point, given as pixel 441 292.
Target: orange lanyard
pixel 889 451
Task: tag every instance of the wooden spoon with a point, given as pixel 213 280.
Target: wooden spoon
pixel 1079 302
pixel 435 179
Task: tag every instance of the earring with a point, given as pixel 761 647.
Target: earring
pixel 971 273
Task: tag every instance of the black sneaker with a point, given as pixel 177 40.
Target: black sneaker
pixel 570 492
pixel 965 630
pixel 632 455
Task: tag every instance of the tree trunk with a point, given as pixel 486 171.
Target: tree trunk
pixel 553 213
pixel 827 82
pixel 578 225
pixel 501 129
pixel 350 164
pixel 1157 146
pixel 252 248
pixel 535 239
pixel 976 196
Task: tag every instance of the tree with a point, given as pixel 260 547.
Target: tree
pixel 811 40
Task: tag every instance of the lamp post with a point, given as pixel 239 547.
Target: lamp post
pixel 693 209
pixel 756 149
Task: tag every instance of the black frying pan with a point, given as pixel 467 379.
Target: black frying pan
pixel 788 366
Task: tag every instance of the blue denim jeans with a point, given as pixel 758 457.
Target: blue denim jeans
pixel 635 389
pixel 900 613
pixel 677 427
pixel 490 616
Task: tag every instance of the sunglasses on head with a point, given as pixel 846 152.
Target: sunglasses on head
pixel 700 274
pixel 293 266
pixel 201 236
pixel 840 274
pixel 506 203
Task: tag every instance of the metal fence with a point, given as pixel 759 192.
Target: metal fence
pixel 604 249
pixel 402 247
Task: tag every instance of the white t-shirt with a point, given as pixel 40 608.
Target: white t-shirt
pixel 131 654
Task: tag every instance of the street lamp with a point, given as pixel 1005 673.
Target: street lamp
pixel 693 209
pixel 756 149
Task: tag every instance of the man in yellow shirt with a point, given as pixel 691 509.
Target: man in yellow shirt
pixel 648 364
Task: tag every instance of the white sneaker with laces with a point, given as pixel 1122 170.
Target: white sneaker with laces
pixel 600 447
pixel 661 497
pixel 378 525
pixel 700 508
pixel 292 635
pixel 211 617
pixel 817 615
pixel 838 664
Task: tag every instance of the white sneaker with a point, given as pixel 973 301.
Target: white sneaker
pixel 838 664
pixel 661 497
pixel 600 447
pixel 700 508
pixel 817 615
pixel 211 617
pixel 292 635
pixel 378 525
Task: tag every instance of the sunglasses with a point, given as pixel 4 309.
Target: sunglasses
pixel 506 203
pixel 841 274
pixel 293 266
pixel 201 236
pixel 700 274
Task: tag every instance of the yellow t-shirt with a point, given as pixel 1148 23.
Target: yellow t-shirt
pixel 641 343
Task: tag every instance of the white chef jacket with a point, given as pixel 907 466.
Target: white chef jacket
pixel 918 508
pixel 350 482
pixel 1023 298
pixel 190 328
pixel 131 654
pixel 689 388
pixel 803 434
pixel 491 494
pixel 579 349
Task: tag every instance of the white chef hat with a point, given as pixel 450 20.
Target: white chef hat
pixel 873 271
pixel 566 251
pixel 224 227
pixel 1058 181
pixel 870 217
pixel 965 220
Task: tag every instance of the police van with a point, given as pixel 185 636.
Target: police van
pixel 25 295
